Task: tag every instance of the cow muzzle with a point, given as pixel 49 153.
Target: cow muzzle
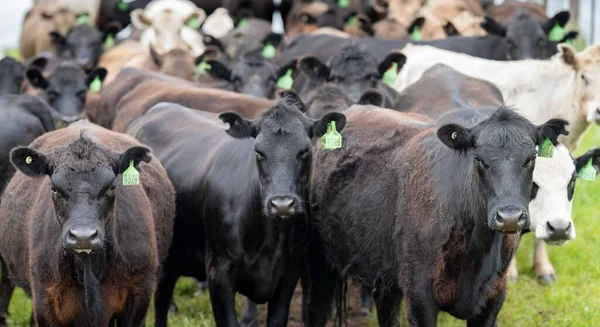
pixel 83 240
pixel 282 206
pixel 510 219
pixel 558 232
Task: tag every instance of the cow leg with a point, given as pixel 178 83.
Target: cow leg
pixel 388 306
pixel 163 298
pixel 250 314
pixel 541 264
pixel 222 296
pixel 136 307
pixel 487 317
pixel 6 291
pixel 279 305
pixel 513 272
pixel 421 310
pixel 366 301
pixel 322 280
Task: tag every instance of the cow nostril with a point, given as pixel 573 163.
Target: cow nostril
pixel 551 229
pixel 568 227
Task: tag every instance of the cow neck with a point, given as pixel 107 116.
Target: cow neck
pixel 89 272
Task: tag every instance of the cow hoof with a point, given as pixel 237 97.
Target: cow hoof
pixel 173 308
pixel 252 323
pixel 365 311
pixel 546 279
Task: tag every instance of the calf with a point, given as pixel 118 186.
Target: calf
pixel 12 75
pixel 86 248
pixel 83 44
pixel 433 221
pixel 39 21
pixel 65 89
pixel 254 232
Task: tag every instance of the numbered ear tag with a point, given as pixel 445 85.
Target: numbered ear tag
pixel 122 5
pixel 96 85
pixel 28 160
pixel 588 172
pixel 131 176
pixel 332 139
pixel 202 67
pixel 415 35
pixel 269 51
pixel 390 75
pixel 82 19
pixel 286 81
pixel 242 23
pixel 343 3
pixel 109 42
pixel 193 22
pixel 557 33
pixel 546 149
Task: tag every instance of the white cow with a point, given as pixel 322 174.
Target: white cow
pixel 567 86
pixel 163 25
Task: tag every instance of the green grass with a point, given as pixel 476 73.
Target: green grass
pixel 573 301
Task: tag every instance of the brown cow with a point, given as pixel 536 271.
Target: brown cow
pixel 85 247
pixel 42 19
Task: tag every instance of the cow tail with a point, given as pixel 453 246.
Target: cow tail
pixel 93 300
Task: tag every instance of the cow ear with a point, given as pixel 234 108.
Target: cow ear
pixel 551 130
pixel 239 127
pixel 273 38
pixel 197 18
pixel 456 137
pixel 137 154
pixel 418 22
pixel 313 68
pixel 98 72
pixel 568 55
pixel 320 125
pixel 30 162
pixel 594 154
pixel 572 35
pixel 292 98
pixel 561 19
pixel 57 39
pixel 36 79
pixel 111 28
pixel 365 24
pixel 156 59
pixel 218 70
pixel 450 29
pixel 39 63
pixel 372 97
pixel 493 27
pixel 139 20
pixel 213 41
pixel 391 58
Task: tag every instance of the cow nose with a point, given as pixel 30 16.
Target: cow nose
pixel 83 239
pixel 282 206
pixel 559 230
pixel 510 220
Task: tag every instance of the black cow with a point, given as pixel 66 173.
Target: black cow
pixel 65 89
pixel 255 229
pixel 250 74
pixel 83 45
pixel 431 212
pixel 12 74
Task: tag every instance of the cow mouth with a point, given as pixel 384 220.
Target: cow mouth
pixel 556 242
pixel 86 251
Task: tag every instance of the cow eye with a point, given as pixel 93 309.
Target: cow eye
pixel 19 80
pixel 259 155
pixel 52 95
pixel 529 162
pixel 53 190
pixel 481 163
pixel 81 94
pixel 303 154
pixel 534 190
pixel 584 79
pixel 111 190
pixel 540 43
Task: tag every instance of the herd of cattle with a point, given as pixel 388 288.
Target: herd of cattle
pixel 142 141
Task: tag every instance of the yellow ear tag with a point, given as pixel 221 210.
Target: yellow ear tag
pixel 415 35
pixel 28 160
pixel 390 75
pixel 131 176
pixel 242 23
pixel 588 172
pixel 109 42
pixel 122 5
pixel 193 22
pixel 269 51
pixel 202 67
pixel 557 33
pixel 286 81
pixel 82 19
pixel 96 85
pixel 343 3
pixel 546 149
pixel 332 139
pixel 352 21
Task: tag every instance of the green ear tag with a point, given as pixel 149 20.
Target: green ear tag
pixel 96 85
pixel 131 176
pixel 286 81
pixel 352 21
pixel 122 5
pixel 343 3
pixel 588 172
pixel 242 23
pixel 415 35
pixel 546 149
pixel 193 22
pixel 202 67
pixel 82 19
pixel 557 33
pixel 569 41
pixel 109 42
pixel 332 139
pixel 389 77
pixel 269 51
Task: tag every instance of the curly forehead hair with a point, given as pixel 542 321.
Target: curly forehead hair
pixel 82 152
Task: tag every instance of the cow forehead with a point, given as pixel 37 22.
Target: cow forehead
pixel 555 172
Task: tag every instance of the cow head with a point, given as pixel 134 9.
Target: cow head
pixel 177 62
pixel 251 74
pixel 503 152
pixel 83 187
pixel 83 44
pixel 283 152
pixel 11 76
pixel 354 70
pixel 65 89
pixel 586 68
pixel 525 37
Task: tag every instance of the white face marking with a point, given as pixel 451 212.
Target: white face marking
pixel 552 206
